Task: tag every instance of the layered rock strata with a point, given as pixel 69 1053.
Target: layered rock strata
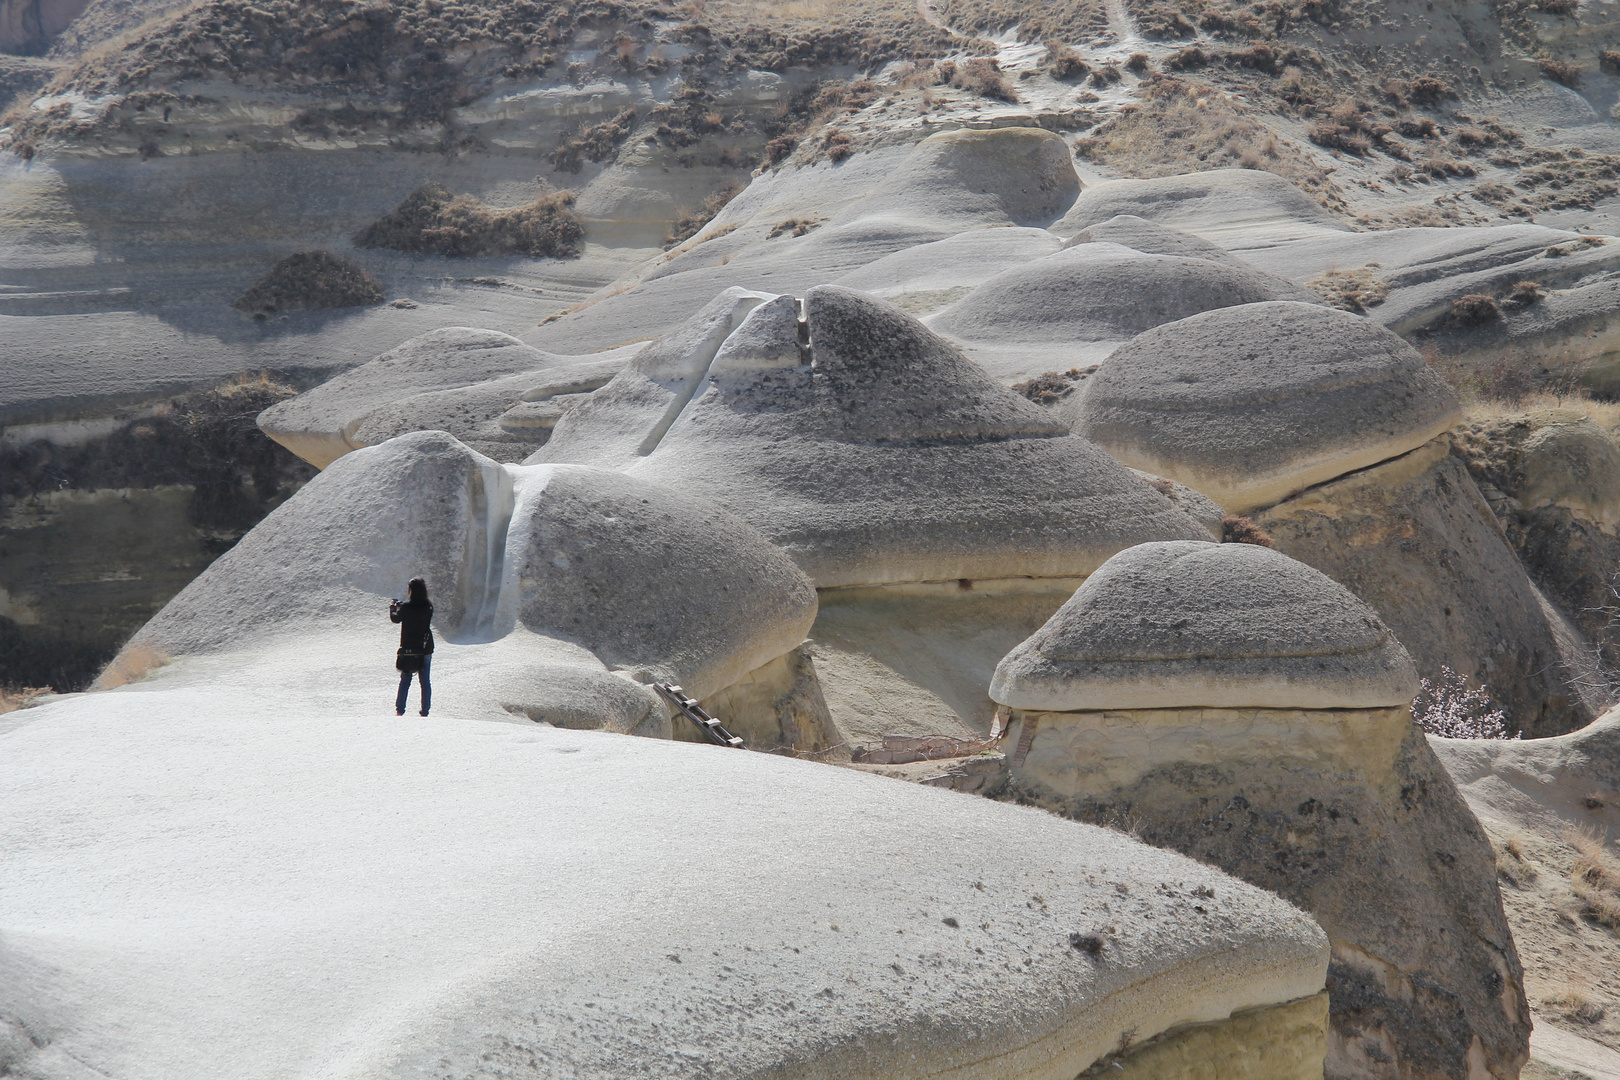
pixel 1336 803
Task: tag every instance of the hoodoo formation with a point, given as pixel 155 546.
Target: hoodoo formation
pixel 968 540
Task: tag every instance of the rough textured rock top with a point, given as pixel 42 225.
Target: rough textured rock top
pixel 567 911
pixel 1167 625
pixel 1219 201
pixel 1250 404
pixel 876 453
pixel 1074 307
pixel 639 577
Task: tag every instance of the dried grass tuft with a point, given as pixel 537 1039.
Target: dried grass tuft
pixel 432 221
pixel 313 280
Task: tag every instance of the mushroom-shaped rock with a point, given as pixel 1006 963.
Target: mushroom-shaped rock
pixel 1244 204
pixel 1240 707
pixel 1152 238
pixel 527 564
pixel 879 454
pixel 1173 625
pixel 455 379
pixel 1078 305
pixel 1251 404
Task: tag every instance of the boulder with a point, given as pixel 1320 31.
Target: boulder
pixel 878 454
pixel 1075 307
pixel 1193 623
pixel 1240 707
pixel 1254 403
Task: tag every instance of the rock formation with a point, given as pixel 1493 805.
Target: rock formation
pixel 1228 702
pixel 1254 403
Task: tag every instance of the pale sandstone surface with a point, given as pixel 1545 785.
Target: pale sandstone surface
pixel 1272 225
pixel 624 420
pixel 1416 541
pixel 1074 307
pixel 601 569
pixel 1140 234
pixel 429 379
pixel 929 276
pixel 918 659
pixel 873 205
pixel 271 888
pixel 1345 812
pixel 1254 403
pixel 1185 623
pixel 1221 204
pixel 886 456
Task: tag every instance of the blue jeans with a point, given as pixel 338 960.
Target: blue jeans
pixel 405 687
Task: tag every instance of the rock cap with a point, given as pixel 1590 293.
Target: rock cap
pixel 1188 623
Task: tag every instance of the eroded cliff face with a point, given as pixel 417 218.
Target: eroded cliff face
pixel 1348 814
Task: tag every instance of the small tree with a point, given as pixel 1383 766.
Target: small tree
pixel 1448 707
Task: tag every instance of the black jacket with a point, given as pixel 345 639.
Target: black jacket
pixel 413 618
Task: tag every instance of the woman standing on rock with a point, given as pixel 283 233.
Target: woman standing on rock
pixel 414 616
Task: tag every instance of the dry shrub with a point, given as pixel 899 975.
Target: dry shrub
pixel 432 221
pixel 982 77
pixel 1062 62
pixel 315 280
pixel 1137 64
pixel 688 223
pixel 1163 23
pixel 1240 530
pixel 1188 59
pixel 1428 91
pixel 1526 292
pixel 837 145
pixel 1609 60
pixel 597 143
pixel 1475 309
pixel 1595 878
pixel 1052 387
pixel 780 149
pixel 1107 75
pixel 1351 290
pixel 1567 72
pixel 20 697
pixel 794 227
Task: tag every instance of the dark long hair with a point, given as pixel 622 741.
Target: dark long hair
pixel 417 591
